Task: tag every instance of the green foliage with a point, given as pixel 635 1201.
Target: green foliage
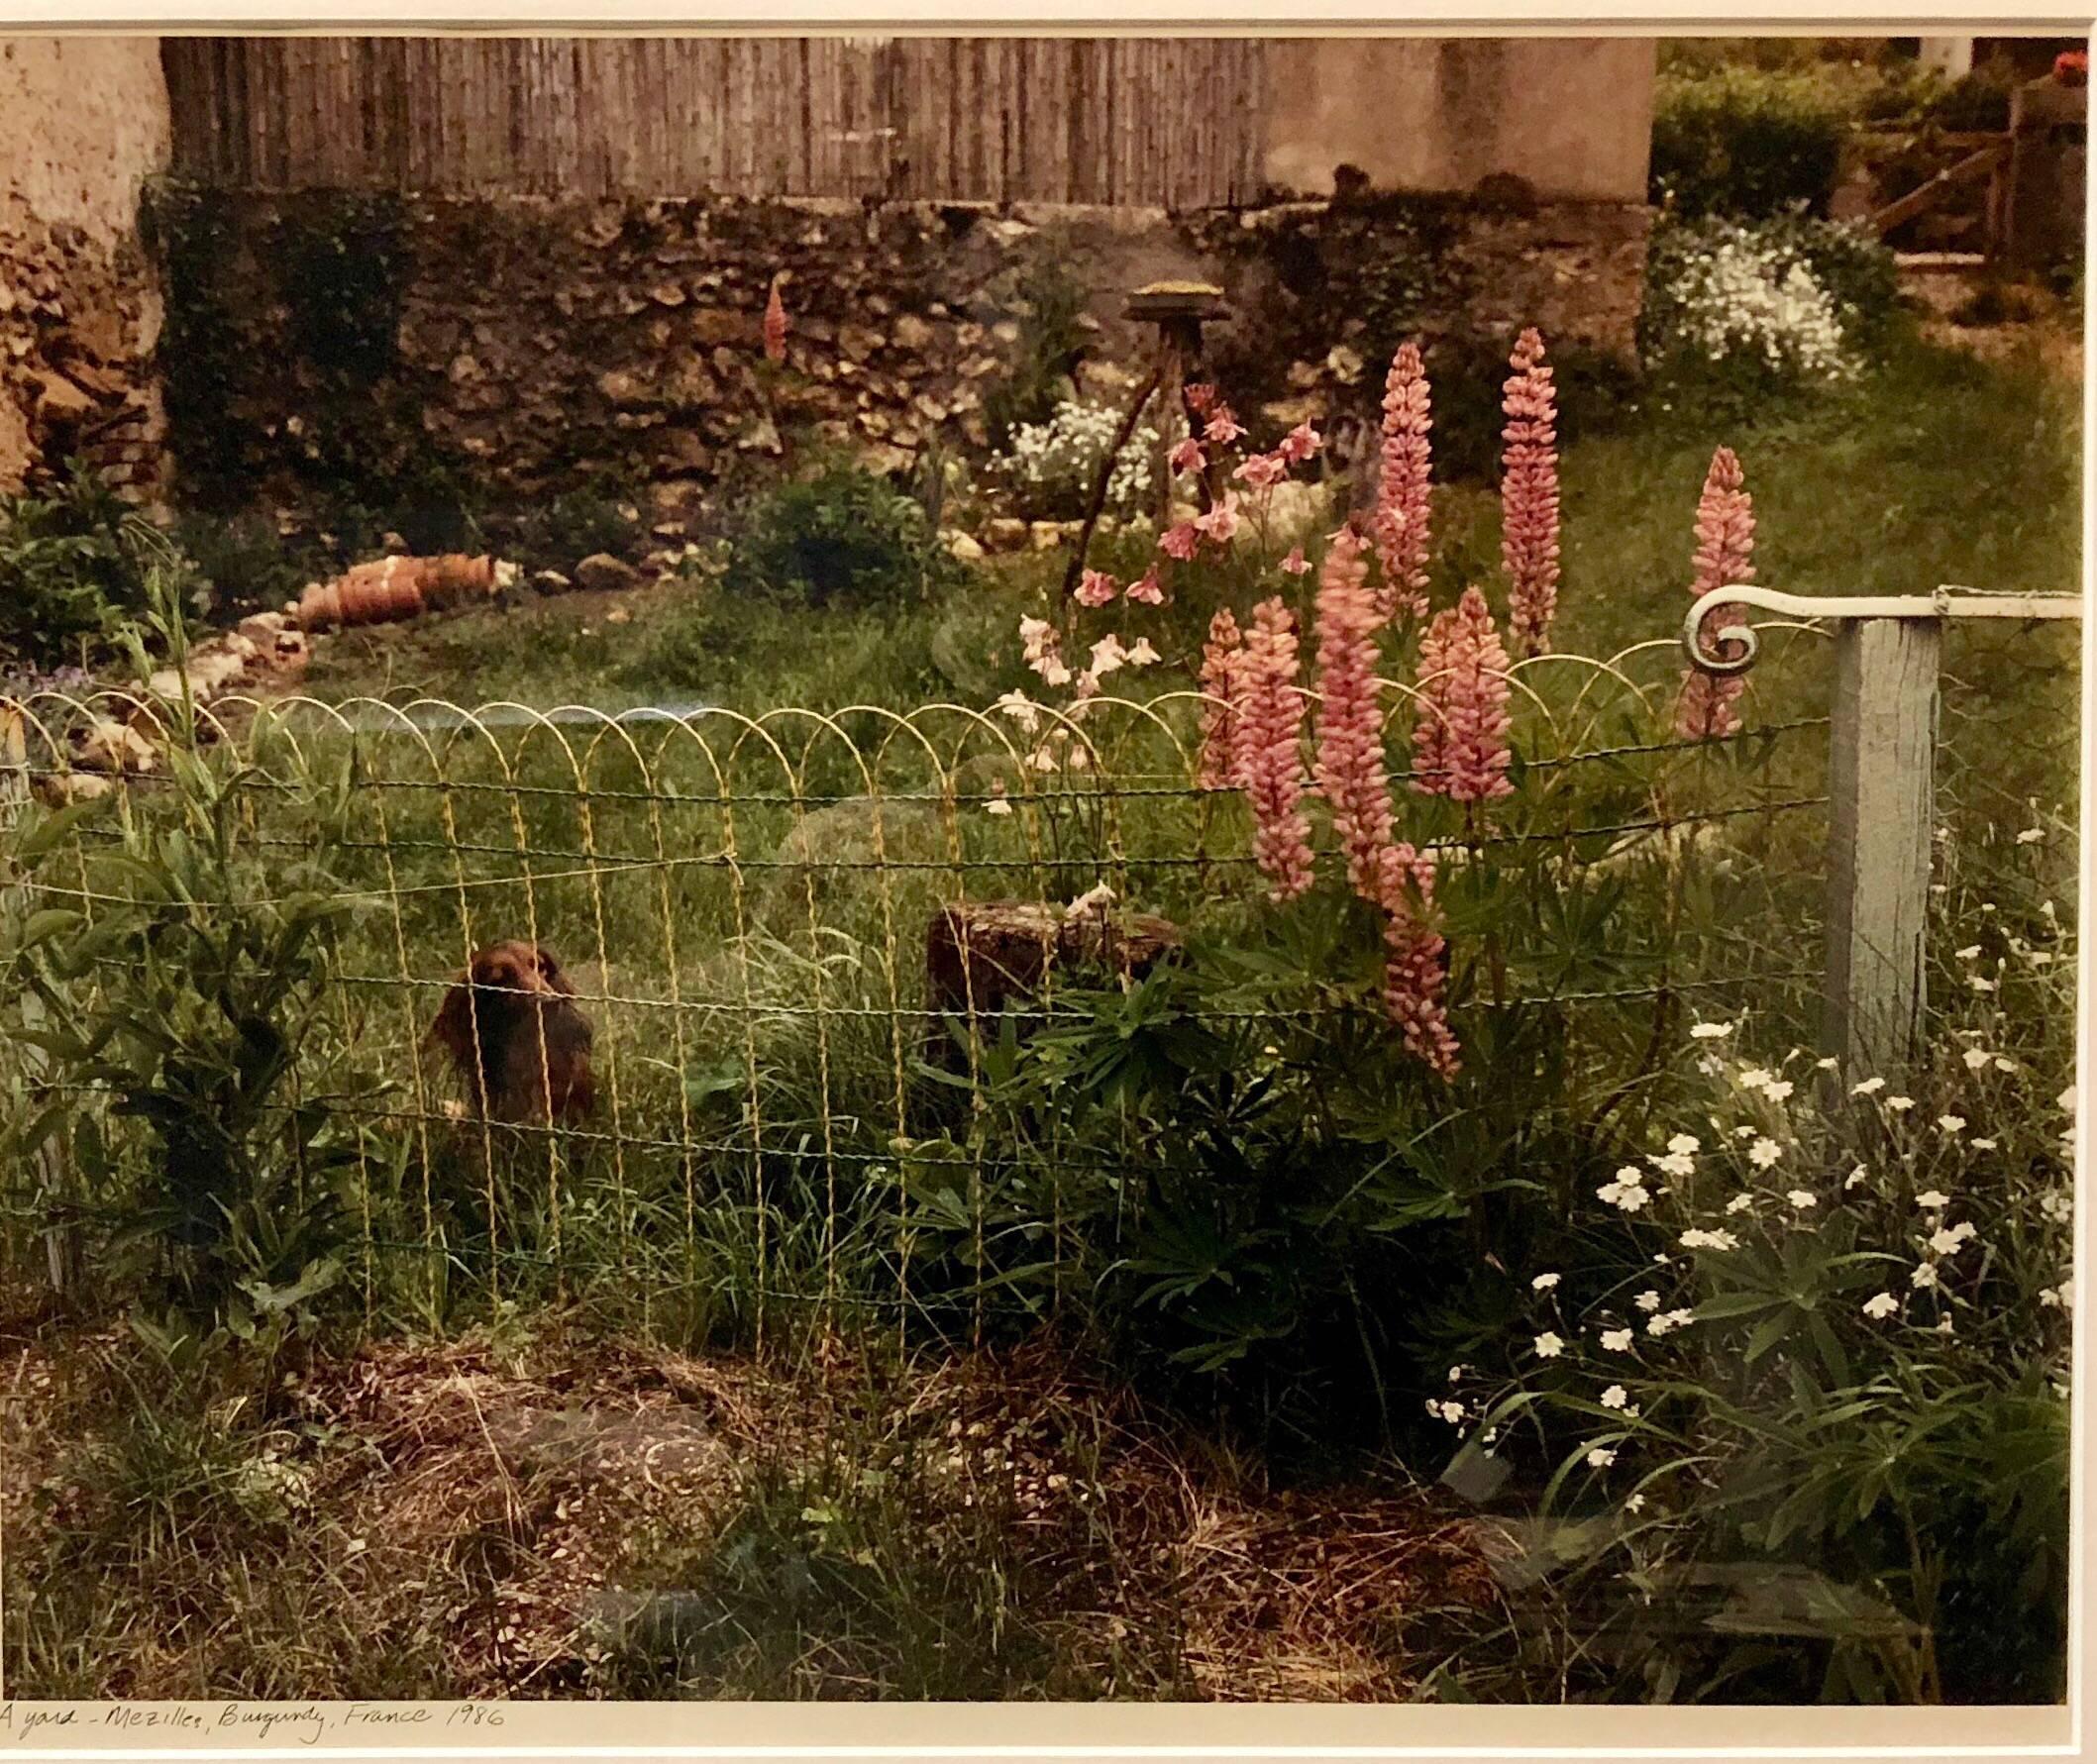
pixel 576 524
pixel 1051 342
pixel 844 536
pixel 167 1034
pixel 244 562
pixel 1744 142
pixel 75 566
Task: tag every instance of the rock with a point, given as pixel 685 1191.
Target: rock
pixel 110 746
pixel 1344 364
pixel 762 436
pixel 61 789
pixel 262 627
pixel 670 1441
pixel 551 582
pixel 857 342
pixel 1044 536
pixel 960 545
pixel 58 398
pixel 619 615
pixel 912 333
pixel 1005 534
pixel 667 293
pixel 603 573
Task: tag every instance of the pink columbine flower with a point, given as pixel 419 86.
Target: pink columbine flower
pixel 1223 683
pixel 1726 542
pixel 1188 456
pixel 1180 541
pixel 1222 427
pixel 1108 655
pixel 1096 588
pixel 1299 444
pixel 1460 745
pixel 1295 562
pixel 1269 742
pixel 1350 727
pixel 775 324
pixel 1528 496
pixel 1262 471
pixel 1403 492
pixel 1147 589
pixel 1199 398
pixel 1221 523
pixel 1414 958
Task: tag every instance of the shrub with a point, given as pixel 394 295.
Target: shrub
pixel 243 561
pixel 844 535
pixel 1051 465
pixel 1744 142
pixel 75 566
pixel 1783 303
pixel 578 524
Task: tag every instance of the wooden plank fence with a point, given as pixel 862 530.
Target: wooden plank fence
pixel 1139 122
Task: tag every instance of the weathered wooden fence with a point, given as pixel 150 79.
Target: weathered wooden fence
pixel 1148 122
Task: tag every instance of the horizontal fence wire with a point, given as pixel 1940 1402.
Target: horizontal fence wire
pixel 752 927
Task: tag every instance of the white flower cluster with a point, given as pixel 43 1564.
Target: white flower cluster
pixel 1058 458
pixel 1740 298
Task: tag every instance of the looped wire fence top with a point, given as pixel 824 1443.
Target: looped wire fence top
pixel 743 907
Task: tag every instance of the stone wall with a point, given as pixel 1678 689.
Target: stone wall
pixel 367 346
pixel 83 124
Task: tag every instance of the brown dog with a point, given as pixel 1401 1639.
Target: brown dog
pixel 520 1044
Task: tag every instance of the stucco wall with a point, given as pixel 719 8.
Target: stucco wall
pixel 83 123
pixel 1572 116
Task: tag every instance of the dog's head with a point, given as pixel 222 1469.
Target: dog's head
pixel 507 977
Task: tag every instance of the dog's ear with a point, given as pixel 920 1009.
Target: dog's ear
pixel 551 970
pixel 454 1028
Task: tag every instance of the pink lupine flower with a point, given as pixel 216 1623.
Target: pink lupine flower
pixel 1403 492
pixel 1188 456
pixel 1528 496
pixel 1096 588
pixel 1180 541
pixel 1725 541
pixel 1295 562
pixel 1270 740
pixel 1221 523
pixel 1460 745
pixel 1414 958
pixel 1350 727
pixel 1147 589
pixel 1299 444
pixel 1223 683
pixel 775 324
pixel 1262 471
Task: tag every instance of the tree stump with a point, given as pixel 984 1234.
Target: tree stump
pixel 984 955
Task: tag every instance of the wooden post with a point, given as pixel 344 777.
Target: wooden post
pixel 1880 785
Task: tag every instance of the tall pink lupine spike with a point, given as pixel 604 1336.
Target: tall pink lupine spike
pixel 1726 543
pixel 1351 726
pixel 1403 493
pixel 1460 744
pixel 1271 727
pixel 1528 496
pixel 776 324
pixel 1222 680
pixel 1413 958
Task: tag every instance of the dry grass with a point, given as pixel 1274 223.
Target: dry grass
pixel 472 1509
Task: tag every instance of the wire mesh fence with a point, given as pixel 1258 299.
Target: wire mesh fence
pixel 807 943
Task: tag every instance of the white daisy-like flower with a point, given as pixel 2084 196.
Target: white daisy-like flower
pixel 1549 1347
pixel 1647 1301
pixel 1947 1242
pixel 2057 1207
pixel 997 805
pixel 1746 1130
pixel 1970 953
pixel 1628 1196
pixel 1943 1325
pixel 1975 1058
pixel 1600 1458
pixel 1859 1174
pixel 1923 1277
pixel 1763 1153
pixel 1800 1200
pixel 1952 1124
pixel 1981 986
pixel 1634 1502
pixel 1543 1283
pixel 1827 1064
pixel 2031 836
pixel 1753 1077
pixel 1900 1104
pixel 1616 1397
pixel 1739 1203
pixel 1675 1164
pixel 1778 1089
pixel 1984 1145
pixel 1709 1031
pixel 1617 1341
pixel 1933 1200
pixel 1684 1143
pixel 1881 1306
pixel 1867 1086
pixel 1694 1240
pixel 2004 1065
